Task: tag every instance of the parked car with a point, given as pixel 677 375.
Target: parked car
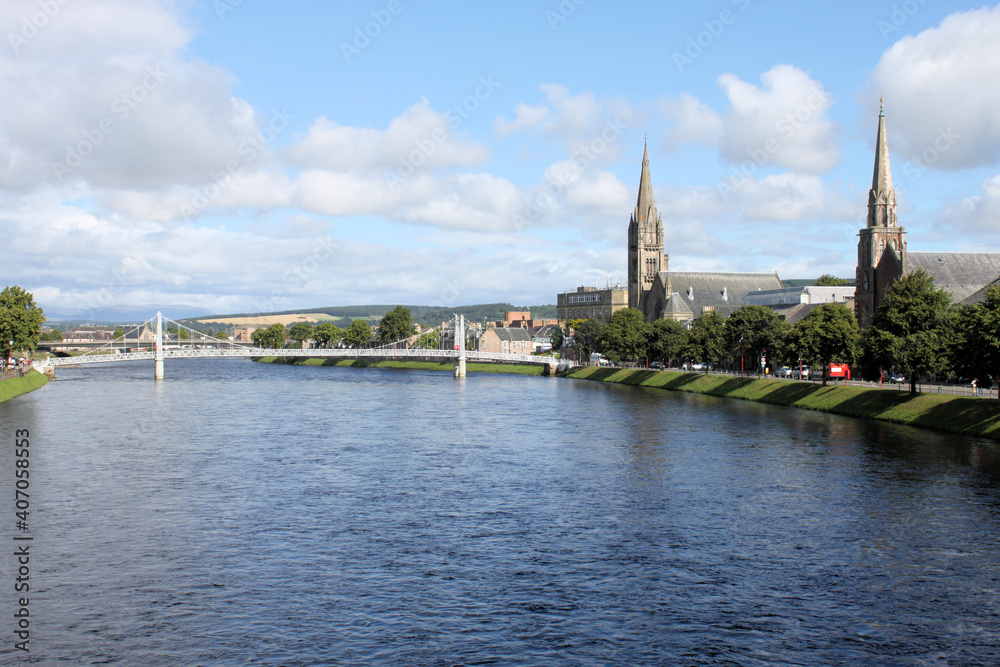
pixel 897 378
pixel 783 372
pixel 804 373
pixel 656 364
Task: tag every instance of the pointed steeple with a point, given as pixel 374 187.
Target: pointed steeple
pixel 645 201
pixel 882 176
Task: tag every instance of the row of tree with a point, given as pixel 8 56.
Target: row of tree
pixel 917 330
pixel 396 325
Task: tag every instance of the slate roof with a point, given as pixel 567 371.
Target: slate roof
pixel 964 274
pixel 676 307
pixel 724 291
pixel 512 333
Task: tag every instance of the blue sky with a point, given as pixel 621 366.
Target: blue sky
pixel 247 156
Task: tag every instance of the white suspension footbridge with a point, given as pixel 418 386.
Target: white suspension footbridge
pixel 215 347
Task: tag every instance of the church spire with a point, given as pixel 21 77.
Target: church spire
pixel 882 176
pixel 645 200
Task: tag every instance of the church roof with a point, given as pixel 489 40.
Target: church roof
pixel 645 207
pixel 964 274
pixel 723 291
pixel 676 306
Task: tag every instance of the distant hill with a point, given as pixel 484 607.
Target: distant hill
pixel 425 315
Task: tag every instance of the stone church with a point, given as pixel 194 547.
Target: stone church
pixel 663 294
pixel 883 257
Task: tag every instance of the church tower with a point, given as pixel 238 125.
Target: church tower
pixel 882 243
pixel 645 242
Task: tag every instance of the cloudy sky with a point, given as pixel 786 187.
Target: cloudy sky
pixel 241 155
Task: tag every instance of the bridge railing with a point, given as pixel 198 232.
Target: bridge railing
pixel 361 353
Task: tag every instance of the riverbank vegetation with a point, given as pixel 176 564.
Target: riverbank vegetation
pixel 952 414
pixel 15 387
pixel 917 332
pixel 471 367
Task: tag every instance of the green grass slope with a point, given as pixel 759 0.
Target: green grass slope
pixel 953 414
pixel 16 386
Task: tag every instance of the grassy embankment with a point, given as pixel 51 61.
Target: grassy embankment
pixel 470 367
pixel 16 386
pixel 953 414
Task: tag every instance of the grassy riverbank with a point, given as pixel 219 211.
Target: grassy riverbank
pixel 16 386
pixel 953 414
pixel 534 369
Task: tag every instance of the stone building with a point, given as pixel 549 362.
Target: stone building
pixel 883 256
pixel 514 340
pixel 663 294
pixel 591 303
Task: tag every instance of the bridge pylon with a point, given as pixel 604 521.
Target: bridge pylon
pixel 460 346
pixel 158 373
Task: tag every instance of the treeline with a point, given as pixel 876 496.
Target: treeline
pixel 425 315
pixel 917 331
pixel 396 325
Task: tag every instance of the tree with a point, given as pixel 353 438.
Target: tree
pixel 20 319
pixel 706 341
pixel 976 351
pixel 430 340
pixel 300 331
pixel 875 353
pixel 272 337
pixel 827 333
pixel 919 319
pixel 327 334
pixel 54 334
pixel 665 340
pixel 827 280
pixel 118 333
pixel 221 334
pixel 587 336
pixel 624 337
pixel 750 330
pixel 557 338
pixel 397 324
pixel 357 333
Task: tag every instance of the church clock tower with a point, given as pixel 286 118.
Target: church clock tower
pixel 882 243
pixel 645 242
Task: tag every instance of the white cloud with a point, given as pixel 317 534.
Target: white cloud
pixel 419 138
pixel 104 94
pixel 941 104
pixel 978 216
pixel 781 123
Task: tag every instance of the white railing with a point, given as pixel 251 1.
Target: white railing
pixel 362 353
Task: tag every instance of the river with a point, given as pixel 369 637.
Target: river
pixel 243 514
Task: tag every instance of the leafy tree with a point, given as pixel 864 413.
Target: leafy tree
pixel 587 338
pixel 827 333
pixel 118 333
pixel 827 280
pixel 557 338
pixel 221 335
pixel 20 319
pixel 272 337
pixel 976 351
pixel 396 325
pixel 624 337
pixel 430 340
pixel 54 334
pixel 300 331
pixel 750 330
pixel 666 339
pixel 706 341
pixel 357 333
pixel 919 320
pixel 876 353
pixel 327 334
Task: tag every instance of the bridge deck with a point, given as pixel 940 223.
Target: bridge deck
pixel 364 353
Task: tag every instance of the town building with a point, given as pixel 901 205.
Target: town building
pixel 883 256
pixel 513 340
pixel 591 303
pixel 794 303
